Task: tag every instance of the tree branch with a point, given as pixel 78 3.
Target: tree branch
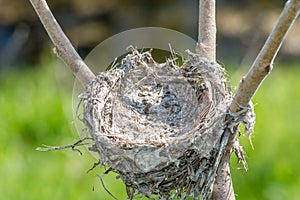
pixel 263 63
pixel 63 46
pixel 223 188
pixel 261 67
pixel 206 46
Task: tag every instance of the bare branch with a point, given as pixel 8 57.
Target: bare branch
pixel 206 45
pixel 260 69
pixel 222 188
pixel 263 64
pixel 63 46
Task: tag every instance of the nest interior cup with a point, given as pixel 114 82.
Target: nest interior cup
pixel 158 123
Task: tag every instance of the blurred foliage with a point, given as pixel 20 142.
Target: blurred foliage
pixel 242 25
pixel 34 112
pixel 273 164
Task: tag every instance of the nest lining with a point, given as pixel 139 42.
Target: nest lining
pixel 159 125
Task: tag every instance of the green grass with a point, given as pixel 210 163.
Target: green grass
pixel 35 109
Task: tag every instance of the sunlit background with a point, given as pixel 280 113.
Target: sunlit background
pixel 36 94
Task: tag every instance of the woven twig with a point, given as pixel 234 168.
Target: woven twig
pixel 159 126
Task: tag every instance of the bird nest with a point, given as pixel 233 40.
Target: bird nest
pixel 159 125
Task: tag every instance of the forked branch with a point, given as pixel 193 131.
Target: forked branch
pixel 63 47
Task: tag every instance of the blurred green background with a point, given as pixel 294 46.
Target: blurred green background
pixel 36 96
pixel 35 110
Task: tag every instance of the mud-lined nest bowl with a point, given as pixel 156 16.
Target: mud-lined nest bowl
pixel 159 126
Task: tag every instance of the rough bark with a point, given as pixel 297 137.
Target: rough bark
pixel 63 46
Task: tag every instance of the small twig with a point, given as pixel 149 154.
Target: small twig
pixel 206 46
pixel 94 166
pixel 263 64
pixel 63 47
pixel 107 171
pixel 72 146
pixel 102 183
